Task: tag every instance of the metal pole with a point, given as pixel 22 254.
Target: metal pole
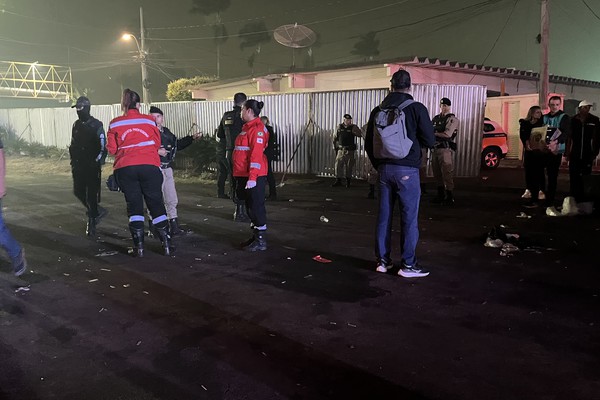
pixel 143 60
pixel 545 33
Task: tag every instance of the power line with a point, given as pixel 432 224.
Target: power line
pixel 591 10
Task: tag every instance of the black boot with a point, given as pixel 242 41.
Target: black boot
pixel 259 243
pixel 371 194
pixel 174 227
pixel 449 200
pixel 248 242
pixel 347 182
pixel 90 229
pixel 137 234
pixel 338 182
pixel 240 214
pixel 165 239
pixel 441 196
pixel 151 229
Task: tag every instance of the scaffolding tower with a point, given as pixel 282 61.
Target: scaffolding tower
pixel 35 81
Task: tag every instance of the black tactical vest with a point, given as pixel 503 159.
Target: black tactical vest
pixel 439 125
pixel 232 125
pixel 346 138
pixel 85 143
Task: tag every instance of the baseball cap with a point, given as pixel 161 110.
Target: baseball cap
pixel 446 101
pixel 585 103
pixel 81 102
pixel 347 116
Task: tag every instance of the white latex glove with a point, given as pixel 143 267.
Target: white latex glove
pixel 250 184
pixel 162 152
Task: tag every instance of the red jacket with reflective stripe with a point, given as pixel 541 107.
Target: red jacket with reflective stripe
pixel 133 139
pixel 248 155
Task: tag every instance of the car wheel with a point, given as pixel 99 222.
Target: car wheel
pixel 490 159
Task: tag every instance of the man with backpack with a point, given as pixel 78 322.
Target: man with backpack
pixel 397 130
pixel 445 125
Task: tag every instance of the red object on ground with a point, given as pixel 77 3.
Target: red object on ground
pixel 321 259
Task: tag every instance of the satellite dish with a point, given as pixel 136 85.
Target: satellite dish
pixel 294 36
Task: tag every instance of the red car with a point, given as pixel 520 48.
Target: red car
pixel 494 145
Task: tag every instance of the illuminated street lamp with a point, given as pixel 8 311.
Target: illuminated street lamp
pixel 143 56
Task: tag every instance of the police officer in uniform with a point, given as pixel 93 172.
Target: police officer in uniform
pixel 229 128
pixel 168 149
pixel 344 143
pixel 88 152
pixel 446 127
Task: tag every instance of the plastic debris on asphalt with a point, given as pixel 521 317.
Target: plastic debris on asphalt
pixel 320 259
pixel 105 270
pixel 328 199
pixel 93 280
pixel 107 254
pixel 523 215
pixel 291 200
pixel 324 219
pixel 508 249
pixel 22 289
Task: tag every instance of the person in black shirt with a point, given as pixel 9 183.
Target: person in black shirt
pixel 272 153
pixel 88 152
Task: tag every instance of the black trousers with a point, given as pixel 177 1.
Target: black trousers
pixel 254 199
pixel 535 179
pixel 552 165
pixel 223 172
pixel 577 170
pixel 142 183
pixel 271 180
pixel 86 187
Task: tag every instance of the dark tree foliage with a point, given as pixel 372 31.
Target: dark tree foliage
pixel 367 46
pixel 253 34
pixel 209 7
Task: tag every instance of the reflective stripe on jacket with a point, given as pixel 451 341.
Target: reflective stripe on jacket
pixel 133 139
pixel 248 154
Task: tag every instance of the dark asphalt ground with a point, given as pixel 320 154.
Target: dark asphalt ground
pixel 217 323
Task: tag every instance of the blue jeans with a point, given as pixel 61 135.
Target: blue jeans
pixel 7 241
pixel 402 183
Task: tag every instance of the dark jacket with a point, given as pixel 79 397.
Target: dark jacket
pixel 88 144
pixel 418 126
pixel 230 126
pixel 170 142
pixel 584 142
pixel 525 128
pixel 270 151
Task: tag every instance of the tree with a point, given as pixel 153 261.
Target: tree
pixel 367 46
pixel 179 90
pixel 216 7
pixel 253 35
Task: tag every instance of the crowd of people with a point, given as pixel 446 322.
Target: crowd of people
pixel 399 138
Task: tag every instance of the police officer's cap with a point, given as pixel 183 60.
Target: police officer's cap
pixel 445 101
pixel 347 116
pixel 239 98
pixel 81 102
pixel 155 110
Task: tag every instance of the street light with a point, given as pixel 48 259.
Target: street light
pixel 143 59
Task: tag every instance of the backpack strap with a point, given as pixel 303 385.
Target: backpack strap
pixel 405 104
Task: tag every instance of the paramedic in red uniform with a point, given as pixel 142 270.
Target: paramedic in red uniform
pixel 250 168
pixel 134 140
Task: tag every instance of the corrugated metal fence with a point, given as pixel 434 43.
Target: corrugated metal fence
pixel 303 121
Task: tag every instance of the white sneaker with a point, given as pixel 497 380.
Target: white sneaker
pixel 526 195
pixel 383 268
pixel 541 195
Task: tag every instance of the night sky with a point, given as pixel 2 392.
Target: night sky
pixel 85 35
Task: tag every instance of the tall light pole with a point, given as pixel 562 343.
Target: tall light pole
pixel 143 56
pixel 544 75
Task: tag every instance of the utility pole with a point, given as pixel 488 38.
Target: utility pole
pixel 143 60
pixel 545 33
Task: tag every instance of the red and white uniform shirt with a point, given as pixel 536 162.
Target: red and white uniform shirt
pixel 248 154
pixel 133 139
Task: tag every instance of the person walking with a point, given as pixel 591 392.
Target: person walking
pixel 169 147
pixel 582 148
pixel 344 144
pixel 446 127
pixel 227 132
pixel 88 153
pixel 250 172
pixel 533 157
pixel 272 153
pixel 7 241
pixel 559 130
pixel 134 140
pixel 399 172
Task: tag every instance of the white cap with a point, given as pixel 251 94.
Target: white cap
pixel 584 103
